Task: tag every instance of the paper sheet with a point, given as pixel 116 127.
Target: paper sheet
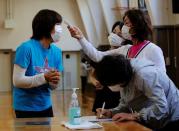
pixel 94 119
pixel 83 125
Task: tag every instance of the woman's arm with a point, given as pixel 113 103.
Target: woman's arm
pixel 156 113
pixel 22 81
pixel 96 55
pixel 155 54
pixel 90 50
pixel 93 80
pixel 122 107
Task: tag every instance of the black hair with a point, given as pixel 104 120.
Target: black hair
pixel 117 23
pixel 112 70
pixel 141 23
pixel 44 22
pixel 83 60
pixel 127 42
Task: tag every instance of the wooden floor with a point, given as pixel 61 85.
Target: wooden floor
pixel 61 100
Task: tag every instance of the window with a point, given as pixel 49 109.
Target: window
pixel 142 5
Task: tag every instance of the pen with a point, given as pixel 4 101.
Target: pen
pixel 131 110
pixel 102 110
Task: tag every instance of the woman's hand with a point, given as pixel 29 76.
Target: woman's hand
pixel 124 117
pixel 75 32
pixel 97 84
pixel 105 113
pixel 52 76
pixel 93 80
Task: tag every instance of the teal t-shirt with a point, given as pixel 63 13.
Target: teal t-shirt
pixel 32 56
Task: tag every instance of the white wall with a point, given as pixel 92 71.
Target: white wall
pixel 71 74
pixel 176 19
pixel 110 15
pixel 25 10
pixel 88 21
pixel 95 8
pixel 122 4
pixel 5 71
pixel 161 12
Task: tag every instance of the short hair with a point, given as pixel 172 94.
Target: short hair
pixel 141 24
pixel 113 69
pixel 44 22
pixel 117 23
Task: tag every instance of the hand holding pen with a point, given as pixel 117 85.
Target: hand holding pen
pixel 103 113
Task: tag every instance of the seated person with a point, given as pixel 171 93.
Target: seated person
pixel 102 94
pixel 147 93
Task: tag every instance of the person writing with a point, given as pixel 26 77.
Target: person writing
pixel 102 94
pixel 148 95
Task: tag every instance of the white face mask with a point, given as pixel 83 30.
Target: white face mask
pixel 125 32
pixel 115 88
pixel 57 34
pixel 115 40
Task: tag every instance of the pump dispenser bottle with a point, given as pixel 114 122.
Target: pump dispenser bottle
pixel 74 112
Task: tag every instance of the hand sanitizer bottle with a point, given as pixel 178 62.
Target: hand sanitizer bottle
pixel 74 112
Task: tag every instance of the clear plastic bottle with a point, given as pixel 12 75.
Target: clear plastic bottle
pixel 74 112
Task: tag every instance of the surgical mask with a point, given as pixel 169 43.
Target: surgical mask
pixel 57 35
pixel 125 32
pixel 115 88
pixel 115 40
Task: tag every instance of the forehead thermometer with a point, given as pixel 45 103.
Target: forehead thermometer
pixel 67 23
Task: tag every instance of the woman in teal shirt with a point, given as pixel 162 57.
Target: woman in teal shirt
pixel 37 67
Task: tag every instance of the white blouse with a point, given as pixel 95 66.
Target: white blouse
pixel 151 52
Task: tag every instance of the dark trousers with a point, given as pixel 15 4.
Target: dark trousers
pixel 83 83
pixel 106 95
pixel 172 126
pixel 32 114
